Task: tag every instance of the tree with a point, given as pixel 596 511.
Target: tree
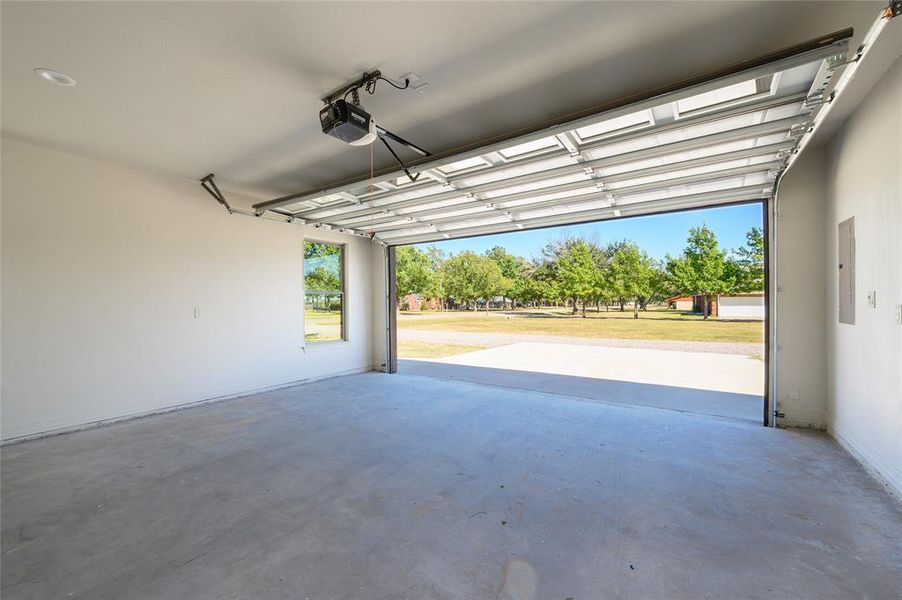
pixel 612 292
pixel 457 277
pixel 631 272
pixel 658 285
pixel 558 254
pixel 414 273
pixel 511 266
pixel 701 268
pixel 493 283
pixel 552 252
pixel 322 279
pixel 543 283
pixel 602 292
pixel 577 273
pixel 746 267
pixel 468 276
pixel 525 287
pixel 436 258
pixel 314 250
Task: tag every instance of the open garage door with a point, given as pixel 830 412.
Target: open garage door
pixel 722 138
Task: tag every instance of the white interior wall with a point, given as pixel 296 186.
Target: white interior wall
pixel 103 267
pixel 798 289
pixel 864 360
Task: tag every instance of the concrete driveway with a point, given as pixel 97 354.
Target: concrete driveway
pixel 730 385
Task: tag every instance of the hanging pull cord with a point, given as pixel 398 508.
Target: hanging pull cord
pixel 372 202
pixel 397 158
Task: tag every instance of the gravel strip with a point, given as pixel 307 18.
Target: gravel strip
pixel 502 339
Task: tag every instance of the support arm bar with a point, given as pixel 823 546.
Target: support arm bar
pixel 210 185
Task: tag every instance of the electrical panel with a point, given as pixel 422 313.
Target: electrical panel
pixel 846 278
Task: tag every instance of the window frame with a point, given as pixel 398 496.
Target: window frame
pixel 343 277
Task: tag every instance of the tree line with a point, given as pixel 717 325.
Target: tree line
pixel 580 272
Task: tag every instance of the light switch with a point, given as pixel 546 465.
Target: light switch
pixel 872 299
pixel 899 314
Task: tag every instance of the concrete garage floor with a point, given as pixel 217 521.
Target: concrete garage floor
pixel 390 486
pixel 726 385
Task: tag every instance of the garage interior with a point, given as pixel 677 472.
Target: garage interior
pixel 168 431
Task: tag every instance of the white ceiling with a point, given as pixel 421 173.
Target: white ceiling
pixel 190 88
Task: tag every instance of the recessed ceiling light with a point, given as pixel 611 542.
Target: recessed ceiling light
pixel 54 76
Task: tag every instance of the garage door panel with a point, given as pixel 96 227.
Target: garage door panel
pixel 719 140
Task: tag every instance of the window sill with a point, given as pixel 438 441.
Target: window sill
pixel 330 345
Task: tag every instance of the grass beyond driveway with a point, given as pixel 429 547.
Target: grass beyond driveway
pixel 654 324
pixel 322 326
pixel 415 349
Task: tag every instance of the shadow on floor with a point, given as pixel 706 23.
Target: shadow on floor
pixel 748 407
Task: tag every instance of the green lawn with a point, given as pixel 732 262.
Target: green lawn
pixel 322 326
pixel 414 349
pixel 654 324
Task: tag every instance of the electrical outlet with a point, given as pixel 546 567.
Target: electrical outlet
pixel 899 314
pixel 196 312
pixel 872 299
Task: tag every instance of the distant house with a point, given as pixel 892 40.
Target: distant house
pixel 680 302
pixel 415 302
pixel 732 306
pixel 741 306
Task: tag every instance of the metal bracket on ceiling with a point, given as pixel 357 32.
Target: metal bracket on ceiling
pixel 819 100
pixel 841 60
pixel 799 129
pixel 845 63
pixel 350 198
pixel 569 142
pixel 352 87
pixel 210 185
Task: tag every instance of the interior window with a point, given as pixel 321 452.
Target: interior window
pixel 323 292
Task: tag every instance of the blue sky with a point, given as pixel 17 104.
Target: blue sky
pixel 656 234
